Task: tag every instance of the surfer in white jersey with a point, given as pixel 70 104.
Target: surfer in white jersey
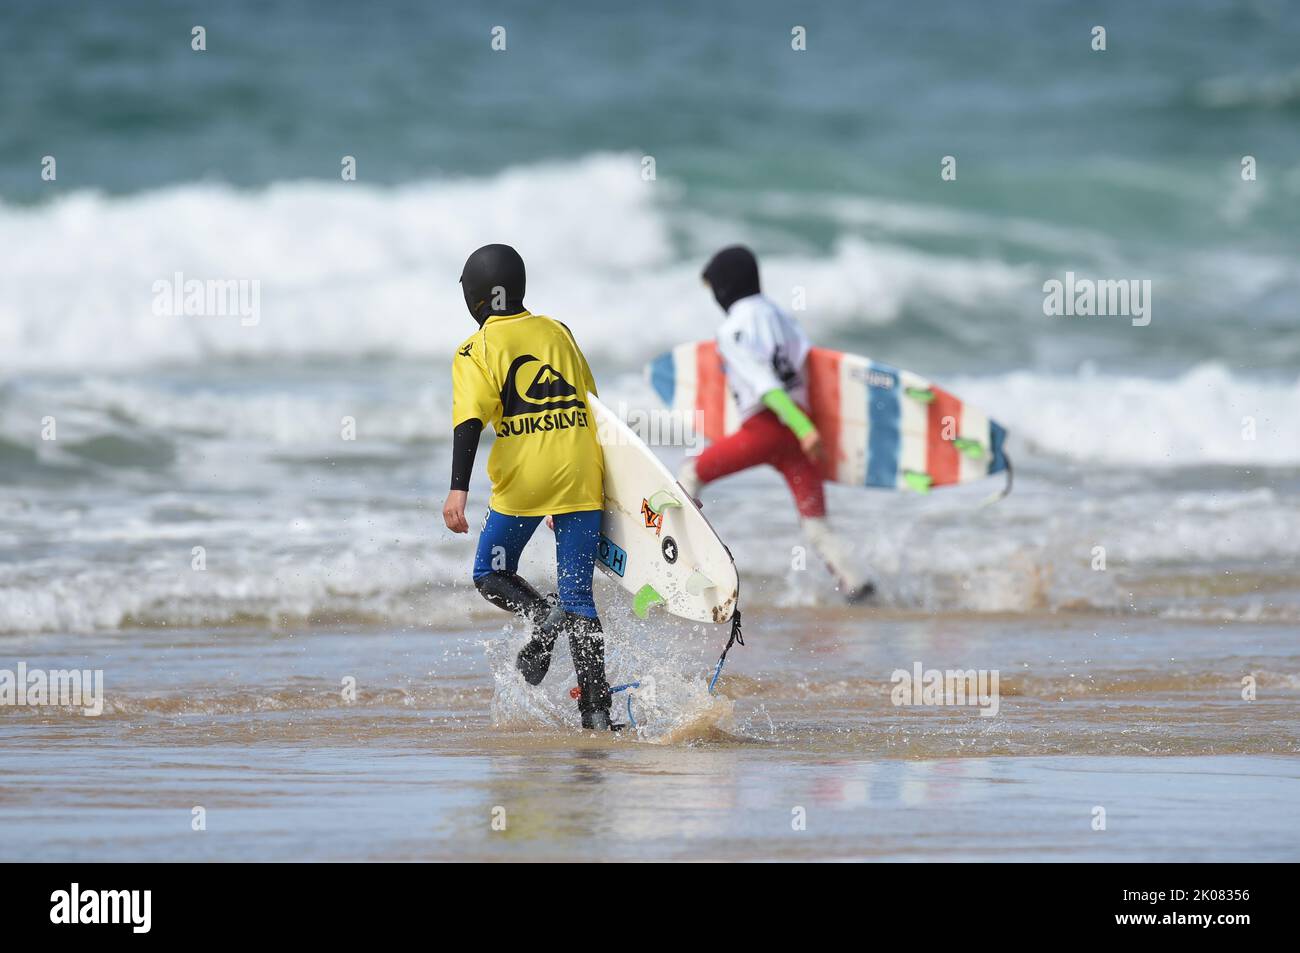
pixel 764 351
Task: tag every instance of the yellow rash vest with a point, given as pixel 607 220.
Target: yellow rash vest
pixel 524 374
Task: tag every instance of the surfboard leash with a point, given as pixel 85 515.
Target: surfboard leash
pixel 575 692
pixel 615 689
pixel 736 639
pixel 1006 490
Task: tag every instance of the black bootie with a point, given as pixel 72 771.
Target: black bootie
pixel 510 591
pixel 587 645
pixel 534 659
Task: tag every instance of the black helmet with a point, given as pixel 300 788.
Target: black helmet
pixel 732 274
pixel 493 282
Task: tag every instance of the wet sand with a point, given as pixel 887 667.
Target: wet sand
pixel 1140 716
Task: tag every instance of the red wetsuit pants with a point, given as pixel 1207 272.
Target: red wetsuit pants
pixel 764 439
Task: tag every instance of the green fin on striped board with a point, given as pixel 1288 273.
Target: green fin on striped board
pixel 921 394
pixel 920 482
pixel 645 599
pixel 970 448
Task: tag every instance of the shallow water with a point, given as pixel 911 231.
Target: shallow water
pixel 254 729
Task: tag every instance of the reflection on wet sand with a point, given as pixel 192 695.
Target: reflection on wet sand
pixel 805 755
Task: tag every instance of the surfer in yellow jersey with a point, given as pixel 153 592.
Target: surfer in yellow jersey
pixel 763 352
pixel 524 374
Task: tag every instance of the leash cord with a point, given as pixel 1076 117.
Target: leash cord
pixel 736 639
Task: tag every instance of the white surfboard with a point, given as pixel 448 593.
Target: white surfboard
pixel 654 541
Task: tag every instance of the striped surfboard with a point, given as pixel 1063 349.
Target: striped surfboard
pixel 880 426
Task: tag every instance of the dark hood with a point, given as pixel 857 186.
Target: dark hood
pixel 490 268
pixel 732 274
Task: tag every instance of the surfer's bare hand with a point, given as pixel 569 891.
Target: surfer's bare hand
pixel 811 442
pixel 453 511
pixel 550 523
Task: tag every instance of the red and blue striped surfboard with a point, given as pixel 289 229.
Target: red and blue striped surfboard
pixel 880 426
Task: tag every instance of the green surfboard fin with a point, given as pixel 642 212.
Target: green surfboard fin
pixel 971 448
pixel 645 599
pixel 920 482
pixel 921 394
pixel 661 500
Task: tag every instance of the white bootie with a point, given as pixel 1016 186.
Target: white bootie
pixel 837 558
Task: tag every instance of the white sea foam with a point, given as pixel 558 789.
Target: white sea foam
pixel 1206 416
pixel 1197 418
pixel 299 525
pixel 345 269
pixel 283 560
pixel 351 269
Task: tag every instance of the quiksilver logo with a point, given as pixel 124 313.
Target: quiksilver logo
pixel 103 907
pixel 546 390
pixel 542 423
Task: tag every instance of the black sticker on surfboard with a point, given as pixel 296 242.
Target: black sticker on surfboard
pixel 669 547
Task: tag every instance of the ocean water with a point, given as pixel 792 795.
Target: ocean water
pixel 1174 447
pixel 177 431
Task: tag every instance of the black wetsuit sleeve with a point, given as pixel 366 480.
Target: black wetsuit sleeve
pixel 464 447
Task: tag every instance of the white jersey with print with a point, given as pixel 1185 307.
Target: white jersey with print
pixel 762 349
